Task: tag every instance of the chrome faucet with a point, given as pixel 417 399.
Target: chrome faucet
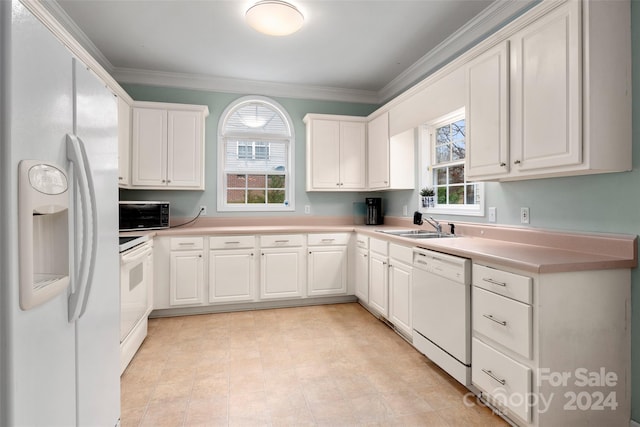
pixel 435 224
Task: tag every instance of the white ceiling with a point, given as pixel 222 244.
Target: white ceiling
pixel 360 50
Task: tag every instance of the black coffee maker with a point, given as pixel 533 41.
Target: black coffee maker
pixel 374 211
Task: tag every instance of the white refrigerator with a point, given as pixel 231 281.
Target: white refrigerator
pixel 59 358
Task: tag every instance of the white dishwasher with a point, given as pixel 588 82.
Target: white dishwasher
pixel 441 305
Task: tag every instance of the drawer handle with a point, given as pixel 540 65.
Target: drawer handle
pixel 186 244
pixel 492 375
pixel 282 241
pixel 494 282
pixel 231 243
pixel 328 240
pixel 500 322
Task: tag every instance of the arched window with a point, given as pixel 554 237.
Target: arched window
pixel 255 157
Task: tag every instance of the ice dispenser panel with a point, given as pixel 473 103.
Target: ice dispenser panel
pixel 43 232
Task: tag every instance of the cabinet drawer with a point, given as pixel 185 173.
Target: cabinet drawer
pixel 186 243
pixel 504 320
pixel 501 282
pixel 231 242
pixel 379 246
pixel 278 240
pixel 501 377
pixel 401 253
pixel 324 239
pixel 362 241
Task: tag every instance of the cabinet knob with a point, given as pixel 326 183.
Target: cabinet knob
pixel 168 180
pixel 337 184
pixel 199 256
pixel 120 178
pixel 164 180
pixel 503 164
pixel 517 162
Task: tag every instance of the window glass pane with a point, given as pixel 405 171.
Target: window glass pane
pixel 456 174
pixel 458 150
pixel 442 195
pixel 442 154
pixel 440 175
pixel 471 194
pixel 257 117
pixel 236 181
pixel 442 135
pixel 456 195
pixel 458 130
pixel 256 196
pixel 276 196
pixel 276 181
pixel 235 196
pixel 261 151
pixel 257 181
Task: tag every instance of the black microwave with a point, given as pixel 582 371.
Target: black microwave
pixel 143 215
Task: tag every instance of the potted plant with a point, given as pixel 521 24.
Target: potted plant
pixel 428 197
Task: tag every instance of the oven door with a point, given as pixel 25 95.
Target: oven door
pixel 134 280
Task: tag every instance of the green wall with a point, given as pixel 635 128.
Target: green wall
pixel 187 203
pixel 597 203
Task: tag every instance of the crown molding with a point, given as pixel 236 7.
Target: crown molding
pixel 56 11
pixel 228 85
pixel 492 17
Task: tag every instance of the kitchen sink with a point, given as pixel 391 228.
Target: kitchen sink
pixel 417 234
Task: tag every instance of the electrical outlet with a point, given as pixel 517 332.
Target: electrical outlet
pixel 524 215
pixel 203 210
pixel 307 209
pixel 492 214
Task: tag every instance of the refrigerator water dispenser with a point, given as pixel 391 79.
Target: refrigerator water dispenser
pixel 43 232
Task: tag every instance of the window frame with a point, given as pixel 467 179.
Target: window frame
pixel 289 173
pixel 427 148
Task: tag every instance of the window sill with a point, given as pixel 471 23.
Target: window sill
pixel 451 210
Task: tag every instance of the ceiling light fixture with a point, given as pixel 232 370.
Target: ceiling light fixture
pixel 274 17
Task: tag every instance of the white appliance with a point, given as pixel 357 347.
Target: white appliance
pixel 59 337
pixel 136 297
pixel 441 307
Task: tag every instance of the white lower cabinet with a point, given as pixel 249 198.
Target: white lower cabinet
pixel 379 276
pixel 232 263
pixel 542 345
pixel 327 264
pixel 400 272
pixel 282 266
pixel 362 268
pixel 186 271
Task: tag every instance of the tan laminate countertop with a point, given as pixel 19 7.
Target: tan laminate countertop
pixel 537 251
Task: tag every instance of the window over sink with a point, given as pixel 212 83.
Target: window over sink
pixel 442 167
pixel 255 157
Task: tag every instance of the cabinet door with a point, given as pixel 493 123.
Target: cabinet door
pixel 282 272
pixel 362 274
pixel 325 154
pixel 149 147
pixel 231 275
pixel 185 149
pixel 378 152
pixel 352 155
pixel 187 276
pixel 124 142
pixel 546 87
pixel 400 296
pixel 379 284
pixel 487 113
pixel 327 271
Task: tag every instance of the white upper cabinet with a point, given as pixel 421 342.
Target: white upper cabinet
pixel 542 103
pixel 335 153
pixel 124 142
pixel 378 153
pixel 168 146
pixel 487 113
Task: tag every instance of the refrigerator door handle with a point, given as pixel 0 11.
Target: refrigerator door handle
pixel 83 177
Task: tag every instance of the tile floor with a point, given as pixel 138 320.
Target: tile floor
pixel 333 365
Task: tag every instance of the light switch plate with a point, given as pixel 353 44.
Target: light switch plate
pixel 524 215
pixel 492 214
